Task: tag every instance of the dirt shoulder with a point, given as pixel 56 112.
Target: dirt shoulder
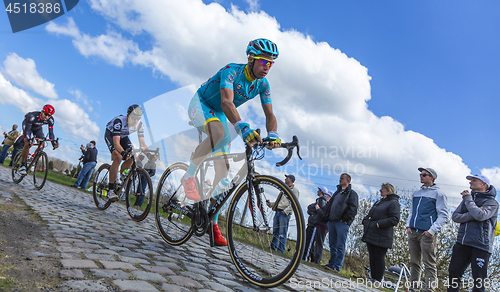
pixel 29 260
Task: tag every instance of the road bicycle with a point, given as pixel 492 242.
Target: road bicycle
pixel 248 223
pixel 37 164
pixel 137 185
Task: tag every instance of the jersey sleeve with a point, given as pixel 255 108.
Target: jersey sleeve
pixel 28 122
pixel 51 123
pixel 228 74
pixel 265 92
pixel 140 130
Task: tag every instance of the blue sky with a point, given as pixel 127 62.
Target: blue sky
pixel 399 84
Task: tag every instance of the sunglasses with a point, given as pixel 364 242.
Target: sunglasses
pixel 425 174
pixel 264 62
pixel 46 114
pixel 135 117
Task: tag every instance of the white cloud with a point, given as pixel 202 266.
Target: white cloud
pixel 74 120
pixel 9 94
pixel 253 5
pixel 69 116
pixel 493 174
pixel 322 100
pixel 23 72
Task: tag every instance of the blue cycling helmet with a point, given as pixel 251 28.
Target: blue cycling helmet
pixel 263 47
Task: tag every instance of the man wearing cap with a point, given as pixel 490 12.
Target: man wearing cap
pixel 283 210
pixel 341 209
pixel 312 223
pixel 9 140
pixel 477 215
pixel 428 214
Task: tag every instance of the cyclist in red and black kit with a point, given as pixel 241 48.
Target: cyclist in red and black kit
pixel 116 137
pixel 32 124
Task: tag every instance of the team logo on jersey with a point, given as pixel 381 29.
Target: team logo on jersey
pixel 212 112
pixel 231 78
pixel 251 88
pixel 238 86
pixel 117 126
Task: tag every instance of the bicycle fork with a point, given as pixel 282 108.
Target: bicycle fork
pixel 256 202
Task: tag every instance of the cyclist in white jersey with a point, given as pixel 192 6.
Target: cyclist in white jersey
pixel 116 137
pixel 215 103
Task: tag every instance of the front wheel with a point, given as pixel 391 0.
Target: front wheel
pixel 16 164
pixel 100 189
pixel 40 170
pixel 263 259
pixel 173 210
pixel 139 195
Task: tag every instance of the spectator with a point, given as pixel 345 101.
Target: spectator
pixel 18 145
pixel 9 140
pixel 282 216
pixel 477 215
pixel 311 229
pixel 340 211
pixel 321 231
pixel 379 229
pixel 89 162
pixel 428 214
pixel 150 168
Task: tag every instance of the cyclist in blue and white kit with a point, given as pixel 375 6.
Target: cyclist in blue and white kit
pixel 215 103
pixel 116 137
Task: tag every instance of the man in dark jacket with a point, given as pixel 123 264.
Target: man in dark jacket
pixel 477 215
pixel 89 161
pixel 313 226
pixel 343 207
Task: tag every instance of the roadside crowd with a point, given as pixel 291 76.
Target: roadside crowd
pixel 333 212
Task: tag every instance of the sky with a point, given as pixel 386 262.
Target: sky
pixel 372 88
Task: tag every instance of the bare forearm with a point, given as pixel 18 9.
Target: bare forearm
pixel 271 123
pixel 230 111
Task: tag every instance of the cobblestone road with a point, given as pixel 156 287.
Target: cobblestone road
pixel 107 251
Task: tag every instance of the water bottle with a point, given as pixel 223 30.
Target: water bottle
pixel 221 187
pixel 121 178
pixel 124 174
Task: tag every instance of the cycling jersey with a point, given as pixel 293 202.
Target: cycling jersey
pixel 205 106
pixel 232 76
pixel 33 124
pixel 119 127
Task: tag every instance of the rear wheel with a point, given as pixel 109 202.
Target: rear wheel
pixel 16 164
pixel 173 210
pixel 139 195
pixel 40 170
pixel 252 247
pixel 100 189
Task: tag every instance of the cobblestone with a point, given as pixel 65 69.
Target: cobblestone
pixel 107 251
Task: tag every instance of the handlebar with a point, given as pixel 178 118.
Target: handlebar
pixel 42 140
pixel 288 146
pixel 139 150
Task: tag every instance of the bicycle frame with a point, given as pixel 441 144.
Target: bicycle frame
pixel 133 168
pixel 248 173
pixel 40 142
